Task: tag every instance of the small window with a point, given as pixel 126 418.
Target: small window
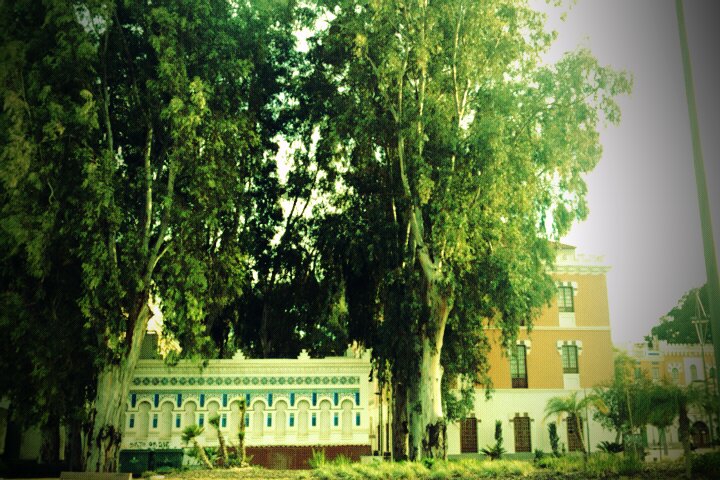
pixel 518 366
pixel 224 400
pixel 223 420
pixel 269 419
pixel 177 421
pixel 313 420
pixel 155 420
pixel 357 398
pixel 156 400
pixel 292 399
pixel 675 375
pixel 202 400
pixel 247 399
pixel 133 400
pixel 247 419
pixel 569 359
pixel 336 398
pixel 291 420
pixel 314 398
pixel 131 422
pixel 336 419
pixel 357 419
pixel 565 299
pixel 179 400
pixel 201 419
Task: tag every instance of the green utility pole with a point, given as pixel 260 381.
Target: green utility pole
pixel 707 234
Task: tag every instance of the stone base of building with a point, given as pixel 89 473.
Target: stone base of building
pixel 298 457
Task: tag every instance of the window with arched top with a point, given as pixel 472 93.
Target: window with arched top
pixel 166 418
pixel 258 419
pixel 302 418
pixel 189 417
pixel 280 418
pixel 693 373
pixel 143 420
pixel 346 418
pixel 675 375
pixel 325 419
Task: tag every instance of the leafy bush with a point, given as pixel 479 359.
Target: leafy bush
pixel 318 459
pixel 554 438
pixel 539 455
pixel 706 465
pixel 495 452
pixel 610 447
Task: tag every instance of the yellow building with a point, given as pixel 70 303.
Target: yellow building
pixel 680 364
pixel 569 349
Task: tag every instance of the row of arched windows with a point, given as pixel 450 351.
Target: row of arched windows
pixel 258 419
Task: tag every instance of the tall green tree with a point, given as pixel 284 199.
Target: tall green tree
pixel 143 122
pixel 677 326
pixel 480 150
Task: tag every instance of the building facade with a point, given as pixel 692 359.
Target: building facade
pixel 684 365
pixel 568 350
pixel 302 402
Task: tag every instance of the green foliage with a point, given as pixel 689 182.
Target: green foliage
pixel 706 465
pixel 191 432
pixel 317 459
pixel 496 451
pixel 461 159
pixel 554 438
pixel 677 326
pixel 610 447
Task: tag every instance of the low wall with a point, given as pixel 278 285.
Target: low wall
pixel 298 457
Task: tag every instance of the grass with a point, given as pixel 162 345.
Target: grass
pixel 568 467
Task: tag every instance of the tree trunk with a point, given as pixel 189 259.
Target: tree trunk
pixel 400 423
pixel 414 414
pixel 241 433
pixel 434 440
pixel 73 447
pixel 684 433
pixel 223 447
pixel 201 453
pixel 108 415
pixel 50 448
pixel 578 433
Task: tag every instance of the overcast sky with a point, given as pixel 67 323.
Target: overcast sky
pixel 642 196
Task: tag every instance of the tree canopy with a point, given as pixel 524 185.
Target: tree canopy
pixel 433 163
pixel 677 326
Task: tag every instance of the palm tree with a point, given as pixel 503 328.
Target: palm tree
pixel 215 422
pixel 190 434
pixel 664 411
pixel 573 408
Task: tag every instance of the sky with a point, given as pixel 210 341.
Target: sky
pixel 644 215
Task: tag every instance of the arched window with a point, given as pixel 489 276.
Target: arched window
pixel 280 418
pixel 143 420
pixel 693 373
pixel 302 418
pixel 166 418
pixel 675 375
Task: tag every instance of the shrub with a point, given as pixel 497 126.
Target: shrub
pixel 554 438
pixel 706 465
pixel 495 452
pixel 318 459
pixel 610 447
pixel 539 455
